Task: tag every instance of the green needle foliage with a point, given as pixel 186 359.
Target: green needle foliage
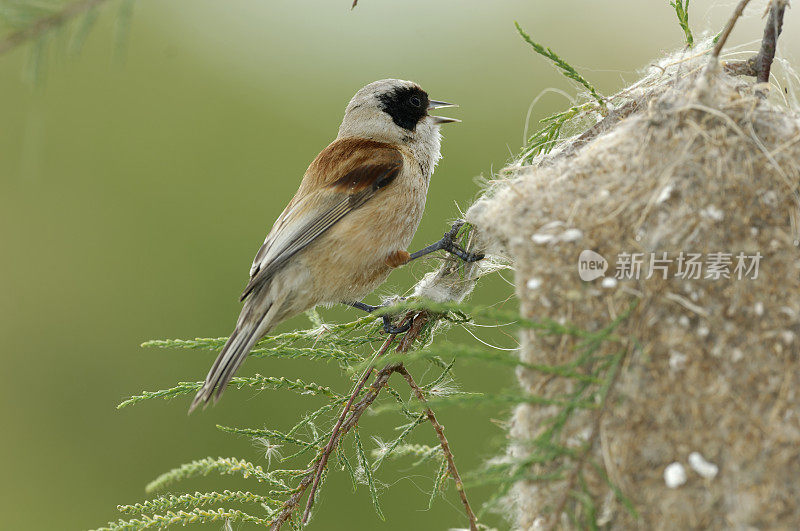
pixel 190 501
pixel 261 433
pixel 422 451
pixel 352 346
pixel 439 479
pixel 221 465
pixel 567 69
pixel 53 25
pixel 257 382
pixel 682 11
pixel 546 137
pixel 366 468
pixel 195 516
pixel 548 447
pixel 574 118
pixel 385 450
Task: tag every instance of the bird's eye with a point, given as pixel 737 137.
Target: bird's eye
pixel 415 101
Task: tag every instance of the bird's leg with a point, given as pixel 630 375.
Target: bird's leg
pixel 362 306
pixel 447 244
pixel 387 321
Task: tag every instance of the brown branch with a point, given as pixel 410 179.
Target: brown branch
pixel 290 504
pixel 448 454
pixel 419 319
pixel 47 23
pixel 763 61
pixel 723 38
pixel 380 382
pixel 345 424
pixel 741 67
pixel 760 64
pixel 356 411
pixel 323 459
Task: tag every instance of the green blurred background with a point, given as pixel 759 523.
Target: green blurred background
pixel 134 193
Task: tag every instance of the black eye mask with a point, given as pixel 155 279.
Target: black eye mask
pixel 406 105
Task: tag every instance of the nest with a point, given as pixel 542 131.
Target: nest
pixel 691 160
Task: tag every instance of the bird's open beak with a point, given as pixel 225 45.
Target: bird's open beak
pixel 438 120
pixel 433 104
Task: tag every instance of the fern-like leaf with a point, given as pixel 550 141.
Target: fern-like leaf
pixel 171 502
pixel 221 465
pixel 567 69
pixel 386 449
pixel 195 516
pixel 257 382
pixel 362 460
pixel 682 11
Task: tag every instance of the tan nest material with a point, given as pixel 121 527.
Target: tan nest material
pixel 691 162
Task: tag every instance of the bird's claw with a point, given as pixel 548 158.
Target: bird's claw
pixel 449 245
pixel 391 329
pixel 387 320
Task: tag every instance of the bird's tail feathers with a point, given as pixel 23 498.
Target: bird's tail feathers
pixel 248 331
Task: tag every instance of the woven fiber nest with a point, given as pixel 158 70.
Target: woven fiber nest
pixel 694 160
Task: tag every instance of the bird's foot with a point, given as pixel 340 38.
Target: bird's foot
pixel 449 245
pixel 388 327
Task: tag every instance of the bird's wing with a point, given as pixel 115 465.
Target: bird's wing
pixel 343 177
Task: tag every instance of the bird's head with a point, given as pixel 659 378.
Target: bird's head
pixel 394 111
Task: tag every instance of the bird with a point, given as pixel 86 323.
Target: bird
pixel 355 212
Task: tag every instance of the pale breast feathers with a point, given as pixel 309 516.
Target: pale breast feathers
pixel 343 177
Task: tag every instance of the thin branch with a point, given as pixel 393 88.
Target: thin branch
pixel 345 424
pixel 612 119
pixel 763 61
pixel 356 411
pixel 448 454
pixel 419 320
pixel 740 67
pixel 760 64
pixel 323 459
pixel 704 81
pixel 47 23
pixel 728 28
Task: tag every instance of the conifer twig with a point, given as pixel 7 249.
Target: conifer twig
pixel 448 454
pixel 682 11
pixel 418 322
pixel 47 23
pixel 581 460
pixel 323 459
pixel 567 69
pixel 356 411
pixel 345 424
pixel 458 278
